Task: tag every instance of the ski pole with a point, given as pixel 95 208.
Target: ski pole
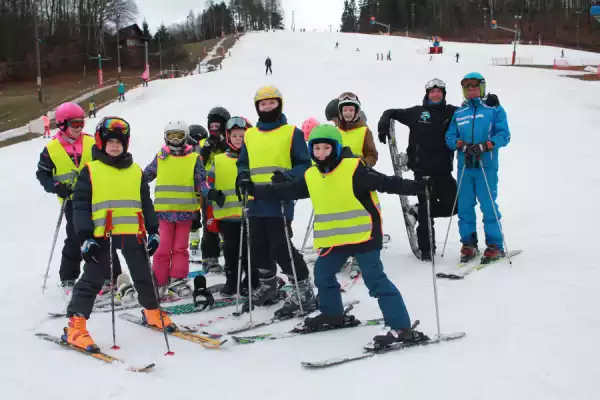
pixel 240 257
pixel 58 224
pixel 431 252
pixel 249 270
pixel 289 244
pixel 309 229
pixel 108 227
pixel 496 214
pixel 462 175
pixel 143 241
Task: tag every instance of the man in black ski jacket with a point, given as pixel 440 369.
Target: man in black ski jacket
pixel 428 154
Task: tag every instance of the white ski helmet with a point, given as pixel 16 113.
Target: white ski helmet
pixel 176 134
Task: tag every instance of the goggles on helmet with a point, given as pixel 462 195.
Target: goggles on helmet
pixel 470 82
pixel 115 125
pixel 435 83
pixel 238 122
pixel 348 96
pixel 175 135
pixel 76 123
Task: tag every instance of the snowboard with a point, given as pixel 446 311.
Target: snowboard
pixel 410 227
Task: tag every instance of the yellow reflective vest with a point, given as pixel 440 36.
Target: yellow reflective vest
pixel 175 189
pixel 269 151
pixel 208 163
pixel 355 139
pixel 225 174
pixel 65 170
pixel 340 219
pixel 118 190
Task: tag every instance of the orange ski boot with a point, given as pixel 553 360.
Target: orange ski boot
pixel 77 335
pixel 153 318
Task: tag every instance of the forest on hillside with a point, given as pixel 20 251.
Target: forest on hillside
pixel 560 22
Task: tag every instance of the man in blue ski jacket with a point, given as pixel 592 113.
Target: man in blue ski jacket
pixel 477 131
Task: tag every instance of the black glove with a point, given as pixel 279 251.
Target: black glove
pixel 153 243
pixel 480 148
pixel 61 190
pixel 243 184
pixel 217 196
pixel 90 251
pixel 492 100
pixel 383 127
pixel 197 221
pixel 279 177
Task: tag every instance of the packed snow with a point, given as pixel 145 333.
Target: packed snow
pixel 532 330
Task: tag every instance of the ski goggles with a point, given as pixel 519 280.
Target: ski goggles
pixel 175 135
pixel 76 123
pixel 470 82
pixel 435 83
pixel 348 96
pixel 237 122
pixel 115 124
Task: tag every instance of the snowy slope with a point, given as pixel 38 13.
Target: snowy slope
pixel 532 329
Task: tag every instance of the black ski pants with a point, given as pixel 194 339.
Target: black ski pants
pixel 443 194
pixel 210 244
pixel 89 285
pixel 268 245
pixel 70 265
pixel 231 250
pixel 268 69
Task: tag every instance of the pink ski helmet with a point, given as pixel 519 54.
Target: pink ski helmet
pixel 308 125
pixel 66 112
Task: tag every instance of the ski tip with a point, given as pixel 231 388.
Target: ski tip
pixel 142 369
pixel 169 353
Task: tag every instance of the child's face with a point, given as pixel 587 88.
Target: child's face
pixel 114 147
pixel 75 127
pixel 267 105
pixel 348 113
pixel 322 150
pixel 236 136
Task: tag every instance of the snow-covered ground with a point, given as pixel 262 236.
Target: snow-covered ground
pixel 531 330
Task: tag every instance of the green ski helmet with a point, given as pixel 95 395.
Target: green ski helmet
pixel 326 133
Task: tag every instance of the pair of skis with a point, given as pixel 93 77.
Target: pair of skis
pixel 183 332
pixel 465 269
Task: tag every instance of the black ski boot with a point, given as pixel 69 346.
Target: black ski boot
pixel 407 336
pixel 230 288
pixel 326 322
pixel 265 295
pixel 291 307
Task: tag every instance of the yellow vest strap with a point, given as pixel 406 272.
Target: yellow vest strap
pixel 174 188
pixel 320 234
pixel 65 177
pixel 233 204
pixel 112 204
pixel 341 216
pixel 266 170
pixel 101 222
pixel 166 200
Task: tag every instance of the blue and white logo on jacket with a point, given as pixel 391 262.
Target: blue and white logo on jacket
pixel 425 117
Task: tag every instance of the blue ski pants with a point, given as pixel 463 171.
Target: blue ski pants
pixel 380 287
pixel 473 188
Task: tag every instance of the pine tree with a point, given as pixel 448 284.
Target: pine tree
pixel 146 30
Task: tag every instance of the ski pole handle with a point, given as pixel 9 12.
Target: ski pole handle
pixel 108 224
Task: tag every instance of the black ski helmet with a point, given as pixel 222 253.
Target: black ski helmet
pixel 331 111
pixel 218 114
pixel 197 133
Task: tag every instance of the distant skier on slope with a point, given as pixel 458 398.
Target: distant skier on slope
pixel 337 184
pixel 268 64
pixel 477 131
pixel 428 154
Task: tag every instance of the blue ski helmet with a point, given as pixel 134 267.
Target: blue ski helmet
pixel 473 79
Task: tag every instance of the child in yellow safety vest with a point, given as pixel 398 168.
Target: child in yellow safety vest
pixel 355 132
pixel 347 223
pixel 227 207
pixel 179 175
pixel 113 209
pixel 58 169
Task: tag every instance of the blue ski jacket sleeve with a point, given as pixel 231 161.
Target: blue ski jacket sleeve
pixel 474 123
pixel 300 163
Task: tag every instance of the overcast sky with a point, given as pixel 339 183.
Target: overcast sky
pixel 310 14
